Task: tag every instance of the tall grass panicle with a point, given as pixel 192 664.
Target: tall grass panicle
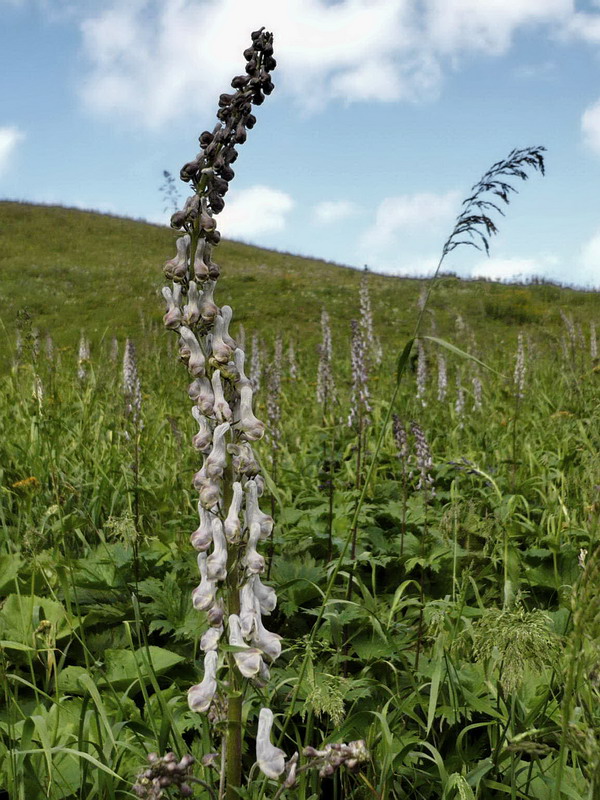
pixel 230 594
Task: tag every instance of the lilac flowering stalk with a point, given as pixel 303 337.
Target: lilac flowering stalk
pixel 230 594
pixel 360 406
pixel 372 343
pixel 83 358
pixel 520 370
pixel 421 372
pixel 325 379
pixel 442 378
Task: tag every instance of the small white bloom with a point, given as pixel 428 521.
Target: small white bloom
pixel 271 759
pixel 200 696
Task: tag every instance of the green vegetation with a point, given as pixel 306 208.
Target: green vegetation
pixel 466 651
pixel 83 270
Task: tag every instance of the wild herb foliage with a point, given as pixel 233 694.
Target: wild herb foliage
pixel 99 641
pixel 437 580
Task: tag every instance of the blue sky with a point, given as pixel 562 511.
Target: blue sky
pixel 385 113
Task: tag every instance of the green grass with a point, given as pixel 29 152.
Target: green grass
pixel 77 270
pixel 98 640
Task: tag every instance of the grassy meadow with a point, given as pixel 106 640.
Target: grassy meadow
pixel 446 611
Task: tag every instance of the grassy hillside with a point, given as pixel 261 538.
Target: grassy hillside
pixel 78 270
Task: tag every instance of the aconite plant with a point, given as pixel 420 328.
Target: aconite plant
pixel 231 594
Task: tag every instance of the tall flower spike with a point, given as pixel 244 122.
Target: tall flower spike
pixel 359 403
pixel 442 378
pixel 366 322
pixel 421 372
pixel 325 381
pixel 131 384
pixel 223 408
pixel 520 369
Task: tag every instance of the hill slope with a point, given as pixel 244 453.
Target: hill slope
pixel 78 270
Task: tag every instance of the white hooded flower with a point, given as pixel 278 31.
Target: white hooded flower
pixel 221 407
pixel 202 441
pixel 265 595
pixel 233 529
pixel 200 696
pixel 253 512
pixel 172 319
pixel 253 560
pixel 269 643
pixel 216 563
pixel 202 537
pixel 216 461
pixel 196 361
pixel 204 594
pixel 210 638
pixel 271 759
pixel 247 659
pixel 248 609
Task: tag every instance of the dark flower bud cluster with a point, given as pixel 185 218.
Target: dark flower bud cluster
pixel 334 756
pixel 163 773
pixel 210 172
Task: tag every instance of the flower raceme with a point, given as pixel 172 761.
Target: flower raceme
pixel 231 524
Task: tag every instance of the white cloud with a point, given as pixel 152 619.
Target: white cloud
pixel 414 212
pixel 587 271
pixel 10 136
pixel 488 25
pixel 152 60
pixel 254 211
pixel 590 126
pixel 330 211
